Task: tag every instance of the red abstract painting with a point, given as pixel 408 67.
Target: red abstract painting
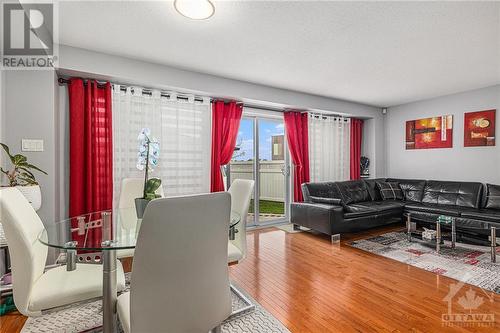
pixel 435 132
pixel 479 128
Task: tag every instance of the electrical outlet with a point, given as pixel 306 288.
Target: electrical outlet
pixel 31 145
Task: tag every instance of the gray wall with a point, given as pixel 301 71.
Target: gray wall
pixel 2 110
pixel 31 113
pixel 80 62
pixel 457 163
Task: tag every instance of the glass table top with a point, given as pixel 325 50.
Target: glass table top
pixel 106 230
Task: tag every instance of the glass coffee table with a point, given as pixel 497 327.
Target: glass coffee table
pixel 450 222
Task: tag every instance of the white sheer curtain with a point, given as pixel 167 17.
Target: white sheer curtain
pixel 181 127
pixel 329 147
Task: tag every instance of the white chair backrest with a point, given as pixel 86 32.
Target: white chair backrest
pixel 241 193
pixel 132 188
pixel 22 226
pixel 180 280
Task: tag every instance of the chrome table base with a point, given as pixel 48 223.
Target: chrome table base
pixel 249 305
pixel 109 292
pixel 493 237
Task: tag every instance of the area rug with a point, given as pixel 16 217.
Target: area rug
pixel 88 316
pixel 467 263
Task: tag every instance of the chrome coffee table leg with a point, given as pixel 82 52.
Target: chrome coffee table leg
pixel 493 244
pixel 453 233
pixel 408 227
pixel 438 237
pixel 109 291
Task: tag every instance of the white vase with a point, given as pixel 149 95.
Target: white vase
pixel 33 194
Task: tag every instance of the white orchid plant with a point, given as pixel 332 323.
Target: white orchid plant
pixel 147 160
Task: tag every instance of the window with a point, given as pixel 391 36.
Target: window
pixel 181 127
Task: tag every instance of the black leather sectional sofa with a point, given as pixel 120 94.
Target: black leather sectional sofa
pixel 334 208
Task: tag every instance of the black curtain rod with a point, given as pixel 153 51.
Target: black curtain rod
pixel 181 96
pixel 325 116
pixel 147 91
pixel 66 81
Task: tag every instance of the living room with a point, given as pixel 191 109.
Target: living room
pixel 249 166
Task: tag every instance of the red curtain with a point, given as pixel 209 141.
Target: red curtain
pixel 225 124
pixel 91 153
pixel 298 143
pixel 356 139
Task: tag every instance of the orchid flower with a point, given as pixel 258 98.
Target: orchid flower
pixel 148 153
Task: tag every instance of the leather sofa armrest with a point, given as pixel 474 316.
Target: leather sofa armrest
pixel 319 217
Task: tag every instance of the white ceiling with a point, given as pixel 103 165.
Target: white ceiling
pixel 377 53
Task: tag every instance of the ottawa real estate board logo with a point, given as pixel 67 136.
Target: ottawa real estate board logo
pixel 28 33
pixel 465 307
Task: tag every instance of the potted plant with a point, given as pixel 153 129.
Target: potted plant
pixel 149 151
pixel 22 177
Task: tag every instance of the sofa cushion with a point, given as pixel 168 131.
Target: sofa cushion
pixel 483 214
pixel 371 184
pixel 464 194
pixel 377 206
pixel 390 191
pixel 413 190
pixel 448 210
pixel 492 196
pixel 328 201
pixel 320 190
pixel 360 213
pixel 352 191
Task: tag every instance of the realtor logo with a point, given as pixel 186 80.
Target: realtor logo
pixel 470 302
pixel 28 35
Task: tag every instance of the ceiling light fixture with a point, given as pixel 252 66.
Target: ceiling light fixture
pixel 195 9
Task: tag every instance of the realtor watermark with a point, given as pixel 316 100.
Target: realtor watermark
pixel 467 310
pixel 29 32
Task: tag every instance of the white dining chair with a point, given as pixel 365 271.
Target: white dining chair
pixel 180 278
pixel 131 188
pixel 241 193
pixel 36 291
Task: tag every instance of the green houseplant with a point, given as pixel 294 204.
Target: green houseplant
pixel 149 151
pixel 21 176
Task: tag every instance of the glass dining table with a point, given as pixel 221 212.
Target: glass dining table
pixel 95 238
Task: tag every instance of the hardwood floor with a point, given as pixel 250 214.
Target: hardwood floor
pixel 311 285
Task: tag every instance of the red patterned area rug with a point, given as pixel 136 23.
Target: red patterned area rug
pixel 467 263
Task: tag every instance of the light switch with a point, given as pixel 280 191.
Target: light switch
pixel 31 145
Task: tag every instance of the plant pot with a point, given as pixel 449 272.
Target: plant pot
pixel 140 206
pixel 33 194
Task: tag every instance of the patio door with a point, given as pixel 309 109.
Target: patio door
pixel 261 154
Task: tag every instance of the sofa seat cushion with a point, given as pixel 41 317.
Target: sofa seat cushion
pixel 448 210
pixel 360 213
pixel 378 206
pixel 374 208
pixel 491 215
